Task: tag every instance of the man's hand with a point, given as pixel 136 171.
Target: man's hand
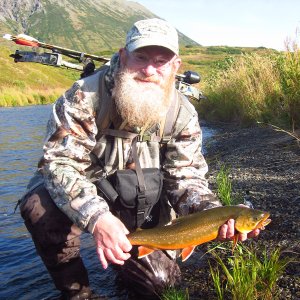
pixel 227 231
pixel 111 241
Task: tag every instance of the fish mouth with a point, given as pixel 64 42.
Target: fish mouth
pixel 264 222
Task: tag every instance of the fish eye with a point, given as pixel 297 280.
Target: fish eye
pixel 256 218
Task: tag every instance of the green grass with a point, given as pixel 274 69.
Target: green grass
pixel 224 186
pixel 204 59
pixel 30 83
pixel 175 294
pixel 248 273
pixel 261 86
pixel 86 26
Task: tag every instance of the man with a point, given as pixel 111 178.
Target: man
pixel 127 116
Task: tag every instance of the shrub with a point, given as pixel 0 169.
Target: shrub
pixel 262 87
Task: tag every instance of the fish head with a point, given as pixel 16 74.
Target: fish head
pixel 250 219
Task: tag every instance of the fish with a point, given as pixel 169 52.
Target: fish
pixel 187 232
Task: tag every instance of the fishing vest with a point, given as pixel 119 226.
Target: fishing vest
pixel 131 194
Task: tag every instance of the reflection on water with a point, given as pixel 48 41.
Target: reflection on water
pixel 22 273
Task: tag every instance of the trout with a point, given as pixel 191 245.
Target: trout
pixel 189 231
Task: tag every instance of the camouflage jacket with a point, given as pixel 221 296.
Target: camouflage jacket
pixel 76 153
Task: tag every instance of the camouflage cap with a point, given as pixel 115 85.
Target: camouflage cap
pixel 152 32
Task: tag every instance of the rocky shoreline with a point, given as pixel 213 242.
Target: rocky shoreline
pixel 265 165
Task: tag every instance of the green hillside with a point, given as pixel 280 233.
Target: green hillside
pixel 89 26
pixel 31 83
pixel 204 59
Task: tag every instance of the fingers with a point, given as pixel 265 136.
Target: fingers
pixel 227 232
pixel 112 245
pixel 125 245
pixel 222 232
pixel 254 233
pixel 115 255
pixel 125 230
pixel 111 240
pixel 243 237
pixel 102 258
pixel 230 229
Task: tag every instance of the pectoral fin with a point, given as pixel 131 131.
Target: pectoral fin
pixel 235 241
pixel 144 251
pixel 187 252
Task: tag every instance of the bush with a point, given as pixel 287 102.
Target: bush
pixel 246 90
pixel 262 87
pixel 288 64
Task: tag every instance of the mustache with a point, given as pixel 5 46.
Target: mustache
pixel 151 79
pixel 137 102
pixel 138 76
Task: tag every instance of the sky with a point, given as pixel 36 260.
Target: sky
pixel 243 23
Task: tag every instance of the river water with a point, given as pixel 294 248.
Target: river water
pixel 23 276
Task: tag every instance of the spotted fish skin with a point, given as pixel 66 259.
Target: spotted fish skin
pixel 189 231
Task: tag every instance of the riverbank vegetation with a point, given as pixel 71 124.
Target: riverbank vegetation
pixel 253 87
pixel 243 85
pixel 249 270
pixel 30 83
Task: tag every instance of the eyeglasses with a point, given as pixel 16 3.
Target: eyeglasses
pixel 160 62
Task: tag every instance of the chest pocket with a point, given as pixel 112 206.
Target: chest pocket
pixel 132 193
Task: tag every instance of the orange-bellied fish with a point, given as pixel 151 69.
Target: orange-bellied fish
pixel 189 231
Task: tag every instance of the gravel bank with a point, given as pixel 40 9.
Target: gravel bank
pixel 266 164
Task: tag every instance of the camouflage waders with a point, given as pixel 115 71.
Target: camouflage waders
pixel 57 242
pixel 76 154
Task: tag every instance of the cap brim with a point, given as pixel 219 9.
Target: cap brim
pixel 150 42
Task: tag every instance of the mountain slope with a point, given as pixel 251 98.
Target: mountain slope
pixel 89 26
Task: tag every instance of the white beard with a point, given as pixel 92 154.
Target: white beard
pixel 140 103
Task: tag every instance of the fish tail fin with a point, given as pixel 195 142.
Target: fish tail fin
pixel 144 251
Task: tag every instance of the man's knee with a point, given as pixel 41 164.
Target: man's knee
pixel 31 206
pixel 40 212
pixel 55 236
